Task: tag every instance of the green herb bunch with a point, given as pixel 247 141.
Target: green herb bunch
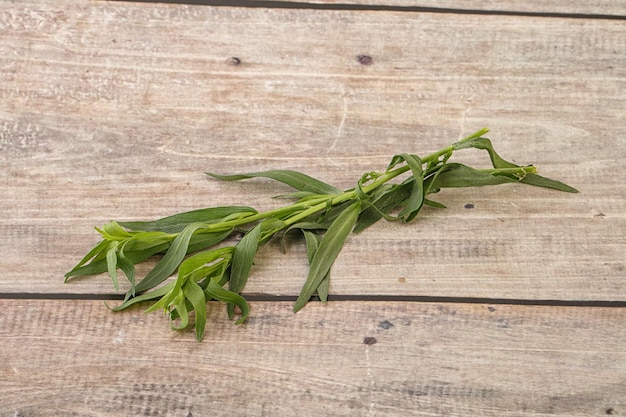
pixel 324 215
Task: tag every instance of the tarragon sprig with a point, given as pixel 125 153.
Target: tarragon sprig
pixel 323 214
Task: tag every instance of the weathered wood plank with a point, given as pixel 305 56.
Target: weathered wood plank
pixel 606 7
pixel 77 358
pixel 114 110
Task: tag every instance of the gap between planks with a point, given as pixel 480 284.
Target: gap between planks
pixel 381 7
pixel 254 298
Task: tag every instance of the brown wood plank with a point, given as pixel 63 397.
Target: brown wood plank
pixel 342 359
pixel 598 7
pixel 114 111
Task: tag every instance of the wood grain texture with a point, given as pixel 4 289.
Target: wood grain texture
pixel 114 111
pixel 76 358
pixel 608 7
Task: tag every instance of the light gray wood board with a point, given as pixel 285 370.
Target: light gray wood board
pixel 607 7
pixel 114 110
pixel 344 359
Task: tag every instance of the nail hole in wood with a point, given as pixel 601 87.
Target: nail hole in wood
pixel 369 341
pixel 365 59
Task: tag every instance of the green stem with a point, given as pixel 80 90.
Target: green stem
pixel 313 206
pixel 529 169
pixel 307 208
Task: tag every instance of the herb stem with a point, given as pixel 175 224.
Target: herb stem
pixel 324 214
pixel 529 169
pixel 313 206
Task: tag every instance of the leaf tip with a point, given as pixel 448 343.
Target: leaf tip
pixel 299 305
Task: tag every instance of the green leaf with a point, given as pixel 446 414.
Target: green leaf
pixel 135 257
pixel 215 291
pixel 157 293
pixel 203 240
pixel 141 246
pixel 179 311
pixel 388 199
pixel 483 143
pixel 416 199
pixel 269 227
pixel 112 263
pixel 499 162
pixel 433 203
pixel 169 300
pixel 183 295
pixel 127 267
pixel 539 181
pixel 200 266
pixel 174 256
pixel 113 231
pixel 243 258
pixel 177 222
pixel 203 258
pixel 312 243
pixel 99 266
pixel 100 248
pixel 458 175
pixel 294 179
pixel 302 226
pixel 145 240
pixel 195 295
pixel 326 218
pixel 327 252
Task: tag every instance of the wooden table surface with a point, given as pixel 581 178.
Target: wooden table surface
pixel 510 302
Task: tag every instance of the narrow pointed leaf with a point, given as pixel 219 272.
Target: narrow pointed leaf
pixel 483 143
pixel 174 256
pixel 327 252
pixel 382 205
pixel 135 257
pixel 180 312
pixel 202 240
pixel 312 243
pixel 95 251
pixel 195 295
pixel 539 181
pixel 112 264
pixel 171 298
pixel 294 179
pixel 302 226
pixel 157 293
pixel 115 232
pixel 459 175
pixel 198 242
pixel 243 258
pixel 196 261
pixel 416 199
pixel 128 268
pixel 215 291
pixel 434 203
pixel 177 222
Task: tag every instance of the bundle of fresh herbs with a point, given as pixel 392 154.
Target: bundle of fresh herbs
pixel 323 214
